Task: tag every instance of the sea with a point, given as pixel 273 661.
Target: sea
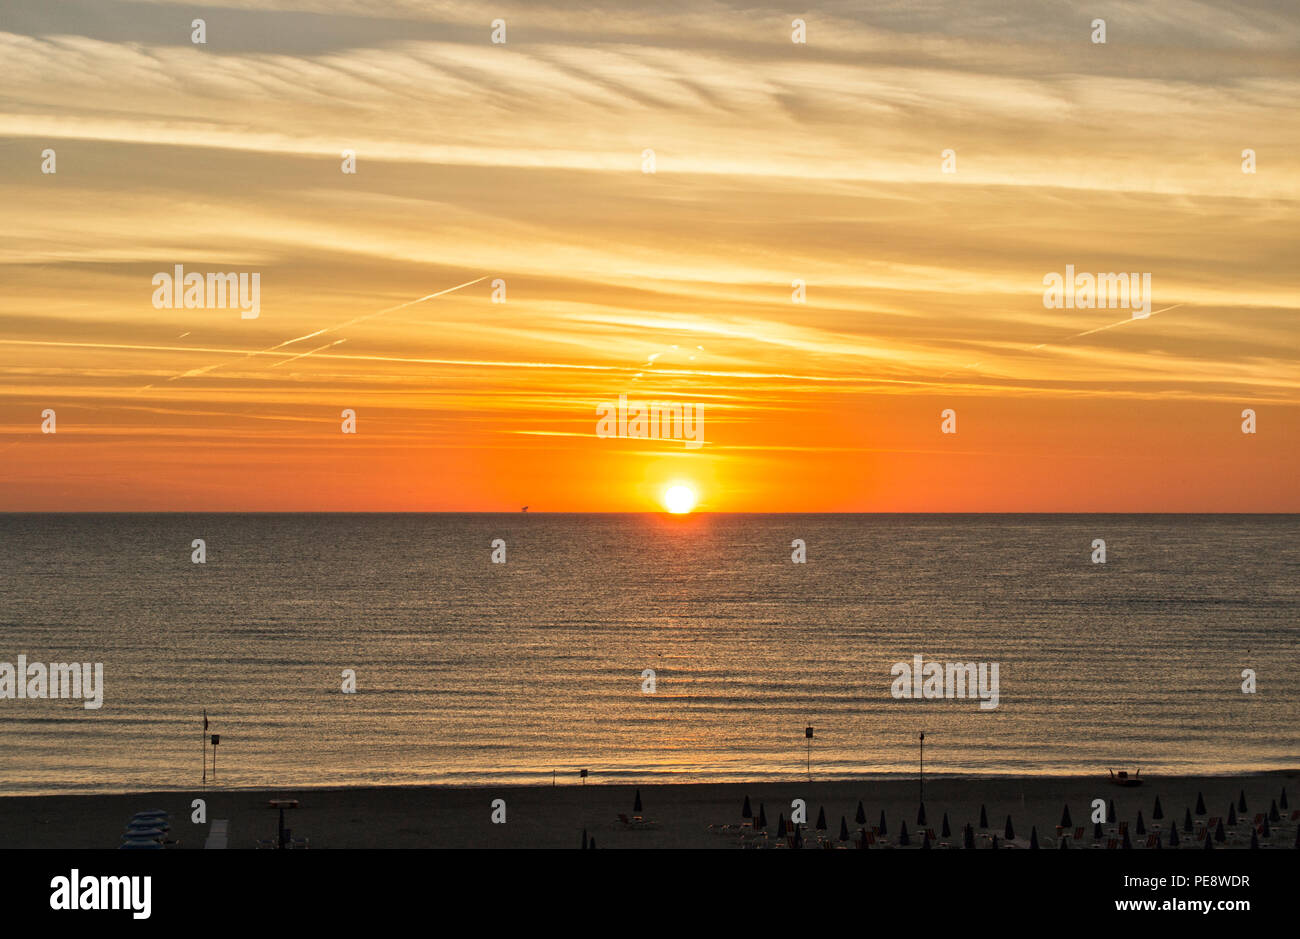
pixel 643 648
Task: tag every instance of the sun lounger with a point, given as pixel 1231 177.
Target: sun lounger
pixel 637 822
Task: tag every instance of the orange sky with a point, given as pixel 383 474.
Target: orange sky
pixel 523 162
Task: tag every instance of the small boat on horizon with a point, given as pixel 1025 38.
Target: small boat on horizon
pixel 1122 778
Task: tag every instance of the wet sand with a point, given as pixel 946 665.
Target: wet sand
pixel 677 815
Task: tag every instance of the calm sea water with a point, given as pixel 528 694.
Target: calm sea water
pixel 470 672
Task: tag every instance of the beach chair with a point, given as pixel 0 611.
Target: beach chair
pixel 1078 833
pixel 1152 839
pixel 1112 844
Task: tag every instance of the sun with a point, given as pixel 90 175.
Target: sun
pixel 680 499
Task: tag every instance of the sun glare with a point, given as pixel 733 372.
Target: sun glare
pixel 679 499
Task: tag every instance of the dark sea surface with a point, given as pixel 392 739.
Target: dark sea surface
pixel 470 672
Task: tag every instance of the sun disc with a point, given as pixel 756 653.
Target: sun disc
pixel 679 499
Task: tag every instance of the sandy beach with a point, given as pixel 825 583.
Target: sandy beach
pixel 676 816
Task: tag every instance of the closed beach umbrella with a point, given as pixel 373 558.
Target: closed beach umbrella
pixel 1219 834
pixel 1265 829
pixel 1200 805
pixel 1141 827
pixel 861 817
pixel 1209 842
pixel 1065 843
pixel 798 836
pixel 1111 817
pixel 1097 832
pixel 994 845
pixel 1126 843
pixel 1241 801
pixel 968 838
pixel 1187 821
pixel 925 841
pixel 984 819
pixel 902 835
pixel 1254 839
pixel 1065 817
pixel 780 826
pixel 762 818
pixel 746 812
pixel 584 839
pixel 1010 832
pixel 1273 815
pixel 1159 846
pixel 863 843
pixel 1173 835
pixel 821 818
pixel 1033 837
pixel 1157 813
pixel 945 832
pixel 593 843
pixel 636 803
pixel 1232 814
pixel 883 829
pixel 920 815
pixel 844 829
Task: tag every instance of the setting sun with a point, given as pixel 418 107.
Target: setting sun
pixel 679 499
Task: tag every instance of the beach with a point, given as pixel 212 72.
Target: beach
pixel 675 815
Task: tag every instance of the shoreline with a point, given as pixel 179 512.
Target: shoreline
pixel 607 782
pixel 678 815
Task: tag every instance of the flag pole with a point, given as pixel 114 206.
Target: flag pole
pixel 205 746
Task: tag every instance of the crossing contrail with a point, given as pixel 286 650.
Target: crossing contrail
pixel 194 372
pixel 1086 332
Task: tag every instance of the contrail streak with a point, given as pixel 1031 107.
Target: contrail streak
pixel 1086 332
pixel 370 316
pixel 1089 332
pixel 303 355
pixel 194 372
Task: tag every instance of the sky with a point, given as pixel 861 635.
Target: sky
pixel 524 164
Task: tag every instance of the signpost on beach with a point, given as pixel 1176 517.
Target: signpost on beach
pixel 922 766
pixel 216 739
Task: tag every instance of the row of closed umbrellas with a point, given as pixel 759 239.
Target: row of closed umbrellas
pixel 1261 828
